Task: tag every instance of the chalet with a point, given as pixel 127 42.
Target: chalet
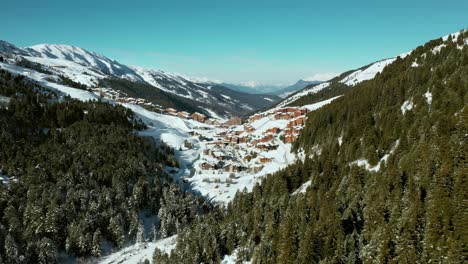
pixel 265 160
pixel 170 111
pixel 235 140
pixel 256 169
pixel 283 116
pixel 248 158
pixel 266 138
pixel 249 128
pixel 286 110
pixel 262 146
pixel 273 130
pixel 238 132
pixel 255 117
pixel 296 129
pixel 207 166
pixel 198 117
pixel 208 152
pixel 217 143
pixel 290 138
pixel 184 115
pixel 235 121
pixel 219 155
pixel 212 121
pixel 243 140
pixel 297 122
pixel 232 168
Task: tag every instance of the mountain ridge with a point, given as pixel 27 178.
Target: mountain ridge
pixel 90 68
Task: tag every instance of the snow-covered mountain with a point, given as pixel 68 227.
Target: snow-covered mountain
pixel 92 69
pixel 349 79
pixel 336 86
pixel 280 90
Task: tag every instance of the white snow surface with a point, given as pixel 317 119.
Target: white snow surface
pixel 4 179
pixel 83 57
pixel 138 252
pixel 307 91
pixel 232 259
pixel 303 188
pixel 313 107
pixel 407 106
pixel 4 100
pixel 428 96
pixel 75 71
pixel 368 73
pixel 43 80
pixel 364 163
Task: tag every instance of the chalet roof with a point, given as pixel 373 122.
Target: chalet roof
pixel 196 113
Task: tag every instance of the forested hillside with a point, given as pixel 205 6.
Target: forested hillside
pixel 387 175
pixel 81 182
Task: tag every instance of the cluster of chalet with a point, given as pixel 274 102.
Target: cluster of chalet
pixel 295 115
pixel 202 118
pixel 221 160
pixel 223 153
pixel 123 97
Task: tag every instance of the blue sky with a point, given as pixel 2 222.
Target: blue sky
pixel 236 41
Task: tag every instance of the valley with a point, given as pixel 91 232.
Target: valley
pixel 101 162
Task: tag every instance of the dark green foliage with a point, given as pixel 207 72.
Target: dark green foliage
pixel 334 89
pixel 165 99
pixel 84 177
pixel 152 94
pixel 69 82
pixel 32 65
pixel 412 210
pixel 40 68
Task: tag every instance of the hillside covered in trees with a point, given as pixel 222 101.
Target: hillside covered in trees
pixel 386 171
pixel 81 181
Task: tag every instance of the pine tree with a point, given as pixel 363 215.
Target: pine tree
pixel 96 245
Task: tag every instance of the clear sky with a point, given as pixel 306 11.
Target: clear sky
pixel 236 41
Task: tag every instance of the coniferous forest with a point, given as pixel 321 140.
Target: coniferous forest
pixel 369 166
pixel 84 179
pixel 411 209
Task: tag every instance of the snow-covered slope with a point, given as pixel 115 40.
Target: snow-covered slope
pixel 83 57
pixel 140 252
pixel 350 78
pixel 367 73
pixel 90 68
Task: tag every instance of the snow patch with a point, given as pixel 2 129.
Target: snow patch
pixel 303 188
pixel 232 259
pixel 340 140
pixel 4 100
pixel 296 96
pixel 43 80
pixel 313 107
pixel 428 96
pixel 364 163
pixel 407 106
pixel 368 73
pixel 138 252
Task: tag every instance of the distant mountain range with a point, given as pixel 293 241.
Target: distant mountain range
pixel 279 90
pixel 162 88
